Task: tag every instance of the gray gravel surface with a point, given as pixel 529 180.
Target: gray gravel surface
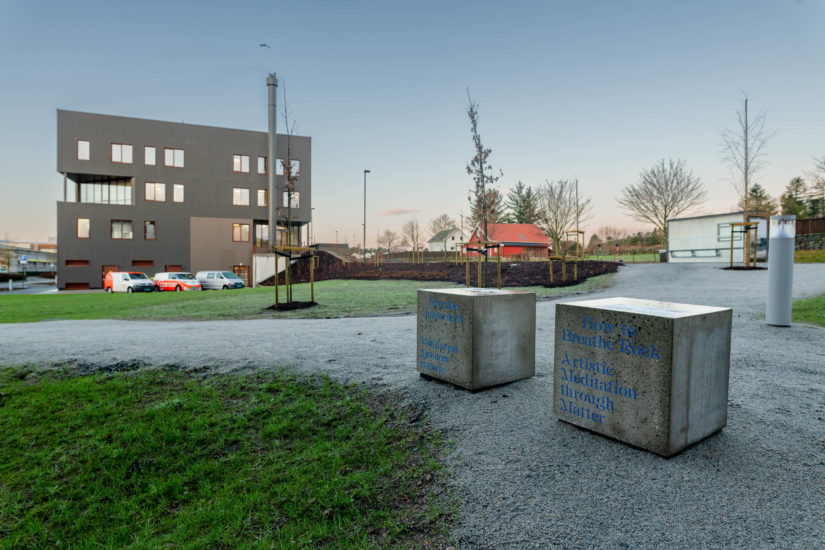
pixel 521 478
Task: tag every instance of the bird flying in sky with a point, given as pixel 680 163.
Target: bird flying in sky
pixel 265 46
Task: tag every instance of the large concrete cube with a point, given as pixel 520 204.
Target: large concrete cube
pixel 651 374
pixel 475 338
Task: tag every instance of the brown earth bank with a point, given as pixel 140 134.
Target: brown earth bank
pixel 512 273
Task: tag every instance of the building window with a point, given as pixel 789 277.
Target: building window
pixel 177 192
pixel 149 155
pixel 173 157
pixel 143 263
pixel 108 192
pixel 262 165
pixel 121 153
pixel 261 235
pixel 83 149
pixel 83 228
pixel 240 232
pixel 240 196
pixel 261 197
pixel 149 231
pixel 121 229
pixel 240 163
pixel 77 263
pixel 296 199
pixel 155 192
pixel 295 164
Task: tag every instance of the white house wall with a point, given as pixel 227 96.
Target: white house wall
pixel 704 239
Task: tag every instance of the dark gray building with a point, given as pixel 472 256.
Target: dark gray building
pixel 162 196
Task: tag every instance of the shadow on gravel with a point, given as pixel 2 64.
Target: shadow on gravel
pixel 292 306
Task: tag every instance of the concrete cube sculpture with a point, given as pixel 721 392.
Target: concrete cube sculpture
pixel 651 374
pixel 476 338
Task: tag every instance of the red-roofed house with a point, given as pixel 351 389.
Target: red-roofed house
pixel 518 240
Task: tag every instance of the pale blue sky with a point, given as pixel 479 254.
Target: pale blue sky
pixel 598 90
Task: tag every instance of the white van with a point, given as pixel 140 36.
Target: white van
pixel 218 279
pixel 175 281
pixel 127 281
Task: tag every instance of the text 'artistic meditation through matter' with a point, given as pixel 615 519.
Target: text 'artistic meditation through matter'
pixel 589 387
pixel 434 355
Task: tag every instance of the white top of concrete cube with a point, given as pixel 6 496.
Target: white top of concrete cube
pixel 648 307
pixel 475 291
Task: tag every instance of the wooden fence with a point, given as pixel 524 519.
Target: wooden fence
pixel 810 226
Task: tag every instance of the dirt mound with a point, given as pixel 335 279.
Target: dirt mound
pixel 512 273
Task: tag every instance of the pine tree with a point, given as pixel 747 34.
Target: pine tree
pixel 520 205
pixel 793 199
pixel 759 200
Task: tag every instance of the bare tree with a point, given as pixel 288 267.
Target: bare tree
pixel 610 232
pixel 291 174
pixel 663 192
pixel 816 189
pixel 583 211
pixel 439 227
pixel 485 201
pixel 744 151
pixel 556 209
pixel 412 232
pixel 389 238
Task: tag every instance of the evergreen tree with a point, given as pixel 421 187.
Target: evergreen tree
pixel 759 200
pixel 793 199
pixel 520 205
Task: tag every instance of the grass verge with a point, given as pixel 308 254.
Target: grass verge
pixel 809 256
pixel 152 459
pixel 336 298
pixel 810 310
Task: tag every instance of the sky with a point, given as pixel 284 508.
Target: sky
pixel 596 90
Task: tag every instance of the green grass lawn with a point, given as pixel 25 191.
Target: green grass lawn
pixel 336 298
pixel 809 256
pixel 155 459
pixel 810 310
pixel 626 257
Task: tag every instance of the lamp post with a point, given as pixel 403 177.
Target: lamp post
pixel 312 225
pixel 364 244
pixel 336 236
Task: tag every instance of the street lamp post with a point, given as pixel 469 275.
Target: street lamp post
pixel 336 236
pixel 364 244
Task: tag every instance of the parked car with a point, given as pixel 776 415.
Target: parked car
pixel 218 279
pixel 176 281
pixel 127 281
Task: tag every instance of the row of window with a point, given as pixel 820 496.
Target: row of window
pixel 156 192
pixel 120 192
pixel 121 153
pixel 240 197
pixel 240 164
pixel 122 230
pixel 118 229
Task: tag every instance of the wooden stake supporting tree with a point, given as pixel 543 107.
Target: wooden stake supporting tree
pixel 483 249
pixel 286 252
pixel 747 227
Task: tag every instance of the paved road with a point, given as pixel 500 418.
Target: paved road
pixel 522 479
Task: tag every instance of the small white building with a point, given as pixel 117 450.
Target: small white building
pixel 450 237
pixel 708 238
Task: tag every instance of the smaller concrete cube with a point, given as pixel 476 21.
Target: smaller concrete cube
pixel 651 374
pixel 476 338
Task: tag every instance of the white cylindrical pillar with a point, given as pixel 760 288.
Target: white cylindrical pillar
pixel 780 271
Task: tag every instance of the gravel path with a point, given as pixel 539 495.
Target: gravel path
pixel 522 479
